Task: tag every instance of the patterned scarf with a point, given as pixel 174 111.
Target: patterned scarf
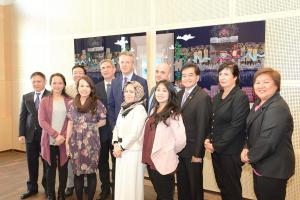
pixel 139 98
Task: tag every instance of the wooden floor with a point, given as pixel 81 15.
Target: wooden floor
pixel 13 177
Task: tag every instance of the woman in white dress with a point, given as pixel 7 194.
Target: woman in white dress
pixel 129 176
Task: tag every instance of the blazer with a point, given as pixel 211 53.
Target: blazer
pixel 105 131
pixel 196 112
pixel 229 122
pixel 45 120
pixel 129 129
pixel 116 96
pixel 28 123
pixel 169 140
pixel 269 131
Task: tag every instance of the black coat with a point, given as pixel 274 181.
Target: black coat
pixel 28 122
pixel 229 122
pixel 105 131
pixel 196 112
pixel 269 131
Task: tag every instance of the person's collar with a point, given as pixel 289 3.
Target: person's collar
pixel 106 82
pixel 41 92
pixel 129 76
pixel 191 89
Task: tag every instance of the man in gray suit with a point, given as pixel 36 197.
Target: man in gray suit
pixel 30 131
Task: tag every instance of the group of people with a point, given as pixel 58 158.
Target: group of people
pixel 75 128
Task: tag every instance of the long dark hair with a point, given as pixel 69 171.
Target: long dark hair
pixel 91 102
pixel 172 107
pixel 63 92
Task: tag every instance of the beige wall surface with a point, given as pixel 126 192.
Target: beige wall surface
pixel 39 35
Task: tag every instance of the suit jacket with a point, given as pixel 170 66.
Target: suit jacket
pixel 105 131
pixel 269 132
pixel 196 112
pixel 169 140
pixel 229 122
pixel 45 120
pixel 28 123
pixel 116 96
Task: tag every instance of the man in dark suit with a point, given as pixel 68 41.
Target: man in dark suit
pixel 126 61
pixel 108 70
pixel 30 131
pixel 162 72
pixel 195 111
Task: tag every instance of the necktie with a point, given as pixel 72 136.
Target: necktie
pixel 108 90
pixel 125 81
pixel 185 95
pixel 37 100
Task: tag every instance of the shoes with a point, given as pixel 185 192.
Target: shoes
pixel 103 195
pixel 51 197
pixel 69 191
pixel 27 194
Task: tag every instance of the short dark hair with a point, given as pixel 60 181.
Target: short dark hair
pixel 64 80
pixel 274 74
pixel 79 66
pixel 38 74
pixel 233 67
pixel 191 65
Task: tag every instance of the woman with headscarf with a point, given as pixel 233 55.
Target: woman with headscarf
pixel 129 175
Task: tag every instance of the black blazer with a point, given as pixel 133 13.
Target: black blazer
pixel 105 131
pixel 269 131
pixel 28 122
pixel 196 113
pixel 229 122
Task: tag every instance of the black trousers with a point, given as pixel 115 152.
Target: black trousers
pixel 33 150
pixel 189 180
pixel 103 166
pixel 164 185
pixel 228 169
pixel 266 188
pixel 51 172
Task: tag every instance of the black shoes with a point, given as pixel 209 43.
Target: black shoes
pixel 27 194
pixel 69 191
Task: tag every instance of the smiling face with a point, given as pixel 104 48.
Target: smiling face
pixel 162 94
pixel 57 84
pixel 264 87
pixel 189 78
pixel 227 79
pixel 126 64
pixel 129 93
pixel 77 73
pixel 38 83
pixel 84 88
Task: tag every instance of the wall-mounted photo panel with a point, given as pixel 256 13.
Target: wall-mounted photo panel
pixel 90 51
pixel 210 46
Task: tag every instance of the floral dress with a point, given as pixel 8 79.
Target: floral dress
pixel 84 142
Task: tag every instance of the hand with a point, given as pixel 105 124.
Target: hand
pixel 244 155
pixel 59 140
pixel 68 150
pixel 117 152
pixel 196 160
pixel 101 123
pixel 22 139
pixel 208 146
